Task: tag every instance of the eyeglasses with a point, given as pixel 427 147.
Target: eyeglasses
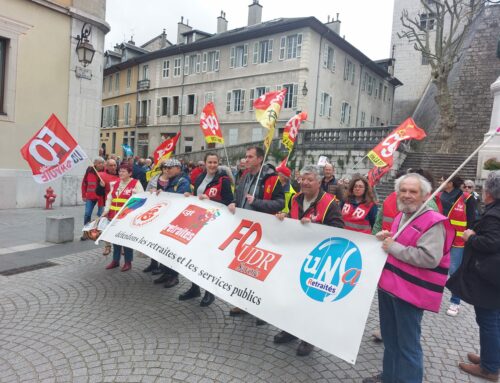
pixel 468 187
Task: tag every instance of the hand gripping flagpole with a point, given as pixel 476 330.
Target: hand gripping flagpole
pixel 260 171
pixel 415 215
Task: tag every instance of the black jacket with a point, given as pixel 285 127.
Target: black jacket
pixel 226 191
pixel 333 216
pixel 481 263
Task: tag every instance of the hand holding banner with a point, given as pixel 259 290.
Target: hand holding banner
pixel 292 130
pixel 209 124
pixel 52 151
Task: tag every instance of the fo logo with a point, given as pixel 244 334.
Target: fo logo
pixel 150 215
pixel 332 270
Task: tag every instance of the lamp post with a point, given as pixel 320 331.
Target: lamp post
pixel 84 49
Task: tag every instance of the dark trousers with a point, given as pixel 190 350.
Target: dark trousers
pixel 489 338
pixel 127 252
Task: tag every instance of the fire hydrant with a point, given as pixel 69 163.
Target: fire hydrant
pixel 50 197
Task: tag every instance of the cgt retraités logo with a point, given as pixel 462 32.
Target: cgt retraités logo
pixel 331 271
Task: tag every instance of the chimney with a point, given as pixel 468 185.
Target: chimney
pixel 254 13
pixel 131 41
pixel 163 42
pixel 182 28
pixel 334 25
pixel 221 22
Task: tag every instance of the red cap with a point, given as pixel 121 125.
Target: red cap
pixel 284 170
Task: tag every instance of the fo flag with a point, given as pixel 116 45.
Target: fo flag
pixel 292 129
pixel 382 154
pixel 52 151
pixel 210 125
pixel 267 109
pixel 376 174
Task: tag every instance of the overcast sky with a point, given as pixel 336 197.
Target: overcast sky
pixel 365 23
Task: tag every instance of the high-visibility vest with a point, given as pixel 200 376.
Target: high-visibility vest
pixel 389 210
pixel 118 201
pixel 318 212
pixel 288 196
pixel 421 287
pixel 457 216
pixel 355 218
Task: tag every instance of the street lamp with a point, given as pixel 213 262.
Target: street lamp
pixel 304 90
pixel 84 50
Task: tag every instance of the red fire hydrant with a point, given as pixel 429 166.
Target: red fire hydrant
pixel 50 197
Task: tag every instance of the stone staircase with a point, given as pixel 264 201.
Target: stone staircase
pixel 437 164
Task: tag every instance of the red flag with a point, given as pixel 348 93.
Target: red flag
pixel 376 174
pixel 382 154
pixel 292 130
pixel 165 150
pixel 267 109
pixel 210 125
pixel 52 151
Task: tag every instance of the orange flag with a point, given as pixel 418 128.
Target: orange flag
pixel 267 109
pixel 292 130
pixel 382 154
pixel 209 124
pixel 165 150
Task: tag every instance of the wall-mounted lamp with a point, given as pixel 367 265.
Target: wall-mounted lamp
pixel 84 50
pixel 304 90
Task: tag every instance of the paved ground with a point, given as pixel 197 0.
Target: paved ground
pixel 76 322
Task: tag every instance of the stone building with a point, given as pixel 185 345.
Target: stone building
pixel 323 74
pixel 40 75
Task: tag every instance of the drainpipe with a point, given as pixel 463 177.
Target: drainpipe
pixel 359 93
pixel 317 80
pixel 181 102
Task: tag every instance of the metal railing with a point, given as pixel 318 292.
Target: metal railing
pixel 142 120
pixel 143 84
pixel 346 138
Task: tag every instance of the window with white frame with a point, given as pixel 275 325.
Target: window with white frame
pixel 425 59
pixel 329 58
pixel 256 93
pixel 427 21
pixel 238 56
pixel 190 104
pixel 126 113
pixel 290 101
pixel 364 82
pixel 263 51
pixel 349 71
pixel 256 134
pixel 325 108
pixel 345 114
pixel 235 101
pixel 165 106
pixel 192 64
pixel 175 106
pixel 290 46
pixel 372 120
pixel 376 90
pixel 145 72
pixel 362 120
pixel 371 81
pixel 233 136
pixel 129 77
pixel 385 93
pixel 177 67
pixel 110 115
pixel 209 97
pixel 165 73
pixel 117 82
pixel 210 61
pixel 380 88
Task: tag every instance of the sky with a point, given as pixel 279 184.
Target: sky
pixel 366 24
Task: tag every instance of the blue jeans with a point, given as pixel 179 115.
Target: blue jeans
pixel 488 321
pixel 127 252
pixel 89 208
pixel 456 255
pixel 400 325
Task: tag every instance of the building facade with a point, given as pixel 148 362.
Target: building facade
pixel 324 75
pixel 43 32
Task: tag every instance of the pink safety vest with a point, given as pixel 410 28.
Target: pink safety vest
pixel 418 286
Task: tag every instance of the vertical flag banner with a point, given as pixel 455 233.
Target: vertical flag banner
pixel 127 150
pixel 52 151
pixel 292 130
pixel 382 154
pixel 267 109
pixel 165 150
pixel 376 174
pixel 209 124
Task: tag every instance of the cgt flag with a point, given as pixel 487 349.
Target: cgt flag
pixel 376 174
pixel 52 151
pixel 267 109
pixel 382 154
pixel 292 129
pixel 210 125
pixel 165 150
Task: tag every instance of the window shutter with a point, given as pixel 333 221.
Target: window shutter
pixel 195 106
pixel 158 107
pixel 255 52
pixel 333 60
pixel 169 101
pixel 186 65
pixel 299 44
pixel 198 62
pixel 252 97
pixel 349 115
pixel 232 57
pixel 278 87
pixel 245 55
pixel 325 56
pixel 205 62
pixel 228 102
pixel 184 106
pixel 330 106
pixel 270 51
pixel 242 100
pixel 294 96
pixel 217 60
pixel 149 108
pixel 353 73
pixel 346 72
pixel 322 104
pixel 282 47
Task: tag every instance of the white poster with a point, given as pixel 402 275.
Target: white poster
pixel 322 161
pixel 314 281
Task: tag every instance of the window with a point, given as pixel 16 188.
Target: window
pixel 3 63
pixel 145 72
pixel 263 52
pixel 239 56
pixel 166 69
pixel 376 92
pixel 175 105
pixel 371 80
pixel 365 81
pixel 189 106
pixel 110 116
pixel 290 46
pixel 233 136
pixel 129 77
pixel 380 87
pixel 256 93
pixel 188 149
pixel 329 58
pixel 427 21
pixel 256 134
pixel 385 93
pixel 345 114
pixel 210 61
pixel 235 101
pixel 362 120
pixel 325 108
pixel 372 120
pixel 290 101
pixel 110 83
pixel 192 64
pixel 177 67
pixel 117 81
pixel 113 143
pixel 126 113
pixel 349 70
pixel 425 59
pixel 165 106
pixel 209 97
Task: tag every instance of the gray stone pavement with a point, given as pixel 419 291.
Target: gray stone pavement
pixel 77 322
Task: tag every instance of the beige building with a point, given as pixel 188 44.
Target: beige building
pixel 40 75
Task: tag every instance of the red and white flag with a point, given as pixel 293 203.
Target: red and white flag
pixel 292 130
pixel 376 174
pixel 209 124
pixel 165 150
pixel 52 151
pixel 267 109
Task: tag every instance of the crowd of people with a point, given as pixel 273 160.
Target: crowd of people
pixel 450 236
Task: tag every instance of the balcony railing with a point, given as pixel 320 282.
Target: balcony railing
pixel 143 84
pixel 352 138
pixel 142 120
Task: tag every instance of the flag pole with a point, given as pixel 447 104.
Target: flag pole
pixel 227 157
pixel 260 171
pixel 356 164
pixel 445 182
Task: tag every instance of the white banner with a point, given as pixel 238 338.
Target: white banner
pixel 314 281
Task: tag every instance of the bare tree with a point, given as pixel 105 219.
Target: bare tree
pixel 438 32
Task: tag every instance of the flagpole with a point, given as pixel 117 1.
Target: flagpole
pixel 444 183
pixel 93 167
pixel 356 164
pixel 227 157
pixel 260 171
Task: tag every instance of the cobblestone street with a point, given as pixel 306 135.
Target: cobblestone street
pixel 77 322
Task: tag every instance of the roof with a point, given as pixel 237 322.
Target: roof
pixel 154 38
pixel 133 47
pixel 112 53
pixel 255 31
pixel 198 32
